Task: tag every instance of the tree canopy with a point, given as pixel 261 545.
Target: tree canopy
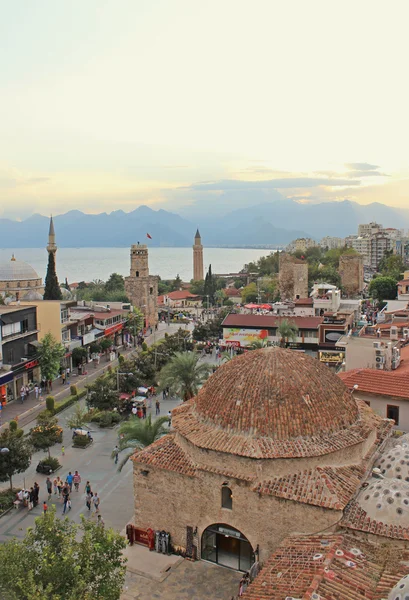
pixel 52 290
pixel 62 560
pixel 101 394
pixel 46 433
pixel 139 433
pixel 183 375
pixel 17 460
pixel 383 288
pixel 50 354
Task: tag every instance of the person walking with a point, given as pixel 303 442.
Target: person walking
pixel 77 480
pixel 100 521
pixel 88 500
pixel 65 498
pixel 63 377
pixel 45 507
pixel 116 454
pixel 96 502
pixel 36 391
pixel 157 404
pixel 49 486
pixel 22 394
pixel 62 450
pixel 68 371
pixel 88 488
pixel 36 493
pixel 31 498
pixel 60 486
pixel 144 411
pixel 69 480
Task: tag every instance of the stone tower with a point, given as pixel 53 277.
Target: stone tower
pixel 51 246
pixel 293 277
pixel 198 274
pixel 351 269
pixel 142 288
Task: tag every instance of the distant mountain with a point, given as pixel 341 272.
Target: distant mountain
pixel 273 223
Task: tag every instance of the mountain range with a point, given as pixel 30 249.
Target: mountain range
pixel 273 223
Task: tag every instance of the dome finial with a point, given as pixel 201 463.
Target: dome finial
pixel 13 257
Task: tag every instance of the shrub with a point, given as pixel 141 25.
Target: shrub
pixel 69 401
pixel 81 441
pixel 13 425
pixel 144 346
pixel 51 462
pixel 50 404
pixel 108 418
pixel 73 390
pixel 7 498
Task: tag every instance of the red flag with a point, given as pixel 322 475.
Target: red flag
pixel 148 236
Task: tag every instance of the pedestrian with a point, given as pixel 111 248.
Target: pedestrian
pixel 167 392
pixel 27 392
pixel 36 391
pixel 170 418
pixel 157 407
pixel 62 450
pixel 60 485
pixel 163 394
pixel 65 498
pixel 69 480
pixel 96 501
pixel 134 410
pixel 68 375
pixel 55 485
pixel 63 377
pixel 49 486
pixel 144 411
pixel 100 521
pixel 50 385
pixel 88 499
pixel 22 393
pixel 31 497
pixel 116 454
pixel 77 480
pixel 36 493
pixel 88 488
pixel 45 507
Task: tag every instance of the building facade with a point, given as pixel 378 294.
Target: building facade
pixel 142 288
pixel 198 272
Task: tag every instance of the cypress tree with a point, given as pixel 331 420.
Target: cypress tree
pixel 52 290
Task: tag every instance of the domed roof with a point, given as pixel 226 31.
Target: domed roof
pixel 32 295
pixel 401 590
pixel 277 393
pixel 386 501
pixel 273 403
pixel 66 294
pixel 395 463
pixel 16 270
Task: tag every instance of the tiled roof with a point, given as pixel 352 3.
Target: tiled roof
pixel 304 302
pixel 356 517
pixel 177 295
pixel 231 292
pixel 270 321
pixel 332 567
pixel 166 454
pixel 386 383
pixel 328 487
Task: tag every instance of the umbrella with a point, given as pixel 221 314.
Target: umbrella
pixel 251 306
pixel 265 306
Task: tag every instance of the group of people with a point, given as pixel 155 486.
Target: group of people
pixel 65 376
pixel 38 388
pixel 28 498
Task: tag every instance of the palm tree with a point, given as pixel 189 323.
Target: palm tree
pixel 259 344
pixel 138 433
pixel 183 375
pixel 287 331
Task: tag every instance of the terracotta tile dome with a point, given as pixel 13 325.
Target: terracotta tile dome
pixel 277 393
pixel 272 403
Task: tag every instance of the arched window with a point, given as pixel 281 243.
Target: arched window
pixel 137 274
pixel 227 497
pixel 151 290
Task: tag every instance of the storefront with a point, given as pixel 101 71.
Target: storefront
pixel 228 547
pixel 26 373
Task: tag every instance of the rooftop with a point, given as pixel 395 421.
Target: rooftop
pixel 177 295
pixel 270 321
pixel 17 270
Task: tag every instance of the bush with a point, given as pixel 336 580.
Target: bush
pixel 7 498
pixel 106 418
pixel 81 441
pixel 73 390
pixel 51 462
pixel 69 401
pixel 144 346
pixel 50 404
pixel 13 425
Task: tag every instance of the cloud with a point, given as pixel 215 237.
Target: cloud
pixel 355 174
pixel 271 184
pixel 361 166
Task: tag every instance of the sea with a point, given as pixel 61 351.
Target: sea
pixel 87 264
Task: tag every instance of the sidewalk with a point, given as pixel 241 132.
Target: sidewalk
pixel 28 411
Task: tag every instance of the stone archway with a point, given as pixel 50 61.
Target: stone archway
pixel 226 546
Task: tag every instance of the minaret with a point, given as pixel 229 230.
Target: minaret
pixel 198 258
pixel 52 246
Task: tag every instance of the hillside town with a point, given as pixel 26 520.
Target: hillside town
pixel 279 391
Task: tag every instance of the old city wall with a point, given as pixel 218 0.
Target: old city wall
pixel 286 276
pixel 170 501
pixel 351 270
pixel 265 468
pixel 300 280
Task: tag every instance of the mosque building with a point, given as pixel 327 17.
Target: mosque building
pixel 20 281
pixel 273 444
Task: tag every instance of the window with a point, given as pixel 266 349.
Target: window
pixel 392 412
pixel 136 273
pixel 10 355
pixel 151 290
pixel 227 497
pixel 64 315
pixel 65 335
pixel 11 329
pixel 24 326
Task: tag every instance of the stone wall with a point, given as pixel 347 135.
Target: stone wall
pixel 170 501
pixel 293 277
pixel 351 270
pixel 143 293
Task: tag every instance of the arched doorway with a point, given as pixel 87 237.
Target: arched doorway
pixel 227 546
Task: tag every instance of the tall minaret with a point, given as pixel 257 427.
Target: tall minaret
pixel 51 246
pixel 198 258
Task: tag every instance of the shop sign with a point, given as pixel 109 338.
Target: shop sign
pixel 88 338
pixel 113 329
pixel 141 536
pixel 31 364
pixel 234 343
pixel 229 532
pixel 331 357
pixel 245 337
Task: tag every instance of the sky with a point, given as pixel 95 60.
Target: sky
pixel 110 104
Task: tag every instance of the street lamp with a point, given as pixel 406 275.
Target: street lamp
pixel 4 450
pixel 118 373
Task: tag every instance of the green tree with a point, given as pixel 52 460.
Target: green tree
pixel 115 283
pixel 50 354
pixel 383 288
pixel 139 433
pixel 249 293
pixel 287 330
pixel 79 356
pixel 220 297
pixel 17 460
pixel 164 286
pixel 391 265
pixel 197 287
pixel 329 274
pixel 62 560
pixel 210 285
pixel 257 344
pixel 176 283
pixel 46 433
pixel 105 344
pixel 52 290
pixel 135 322
pixel 101 394
pixel 183 375
pixel 212 330
pixel 78 418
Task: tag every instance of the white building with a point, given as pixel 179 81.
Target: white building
pixel 369 228
pixel 332 242
pixel 326 298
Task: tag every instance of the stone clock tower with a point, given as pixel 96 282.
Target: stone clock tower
pixel 142 288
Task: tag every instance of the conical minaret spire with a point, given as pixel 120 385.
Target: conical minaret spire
pixel 52 246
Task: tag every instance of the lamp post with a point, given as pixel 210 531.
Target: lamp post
pixel 118 373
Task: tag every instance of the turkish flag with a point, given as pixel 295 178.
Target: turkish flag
pixel 148 236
